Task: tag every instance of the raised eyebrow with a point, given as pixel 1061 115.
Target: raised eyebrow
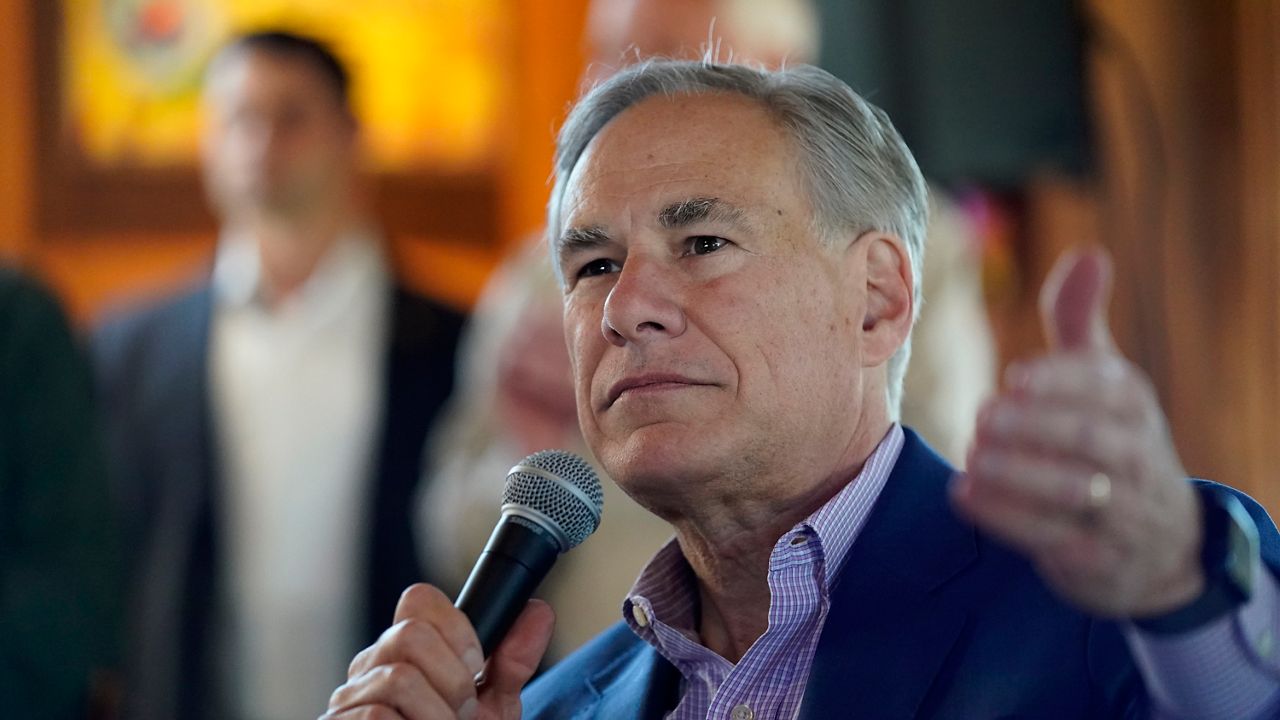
pixel 683 213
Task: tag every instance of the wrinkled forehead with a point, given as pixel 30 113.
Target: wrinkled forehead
pixel 704 145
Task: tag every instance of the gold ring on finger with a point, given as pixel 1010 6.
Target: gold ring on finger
pixel 1099 496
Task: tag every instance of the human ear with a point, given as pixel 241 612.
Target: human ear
pixel 890 300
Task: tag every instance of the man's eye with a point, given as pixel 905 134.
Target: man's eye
pixel 705 244
pixel 599 266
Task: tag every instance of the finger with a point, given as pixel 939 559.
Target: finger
pixel 517 657
pixel 1075 558
pixel 1108 384
pixel 427 602
pixel 1023 524
pixel 1083 438
pixel 1073 302
pixel 400 687
pixel 421 645
pixel 360 663
pixel 368 712
pixel 1046 484
pixel 1082 559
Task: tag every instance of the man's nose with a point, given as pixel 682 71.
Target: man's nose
pixel 643 305
pixel 261 135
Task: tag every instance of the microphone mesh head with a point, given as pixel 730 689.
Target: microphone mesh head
pixel 561 486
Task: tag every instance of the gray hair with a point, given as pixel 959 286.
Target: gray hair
pixel 860 174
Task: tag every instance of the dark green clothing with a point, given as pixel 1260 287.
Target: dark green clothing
pixel 59 559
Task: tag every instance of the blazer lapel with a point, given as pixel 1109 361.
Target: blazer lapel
pixel 178 560
pixel 201 501
pixel 888 632
pixel 419 369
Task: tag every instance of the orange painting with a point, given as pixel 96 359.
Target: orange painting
pixel 427 74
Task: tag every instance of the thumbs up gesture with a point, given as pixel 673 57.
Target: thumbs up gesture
pixel 1073 465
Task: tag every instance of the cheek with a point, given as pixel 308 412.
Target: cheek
pixel 582 343
pixel 806 344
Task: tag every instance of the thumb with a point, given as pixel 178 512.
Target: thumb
pixel 516 659
pixel 1073 302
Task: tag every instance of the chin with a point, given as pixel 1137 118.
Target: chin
pixel 656 456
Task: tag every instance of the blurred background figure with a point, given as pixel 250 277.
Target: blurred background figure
pixel 267 427
pixel 59 555
pixel 515 393
pixel 953 355
pixel 770 32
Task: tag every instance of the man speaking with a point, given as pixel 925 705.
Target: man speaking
pixel 740 253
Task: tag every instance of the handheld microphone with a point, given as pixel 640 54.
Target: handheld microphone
pixel 551 503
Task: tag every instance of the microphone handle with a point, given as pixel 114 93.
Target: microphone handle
pixel 514 562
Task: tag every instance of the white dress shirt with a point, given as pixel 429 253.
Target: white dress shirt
pixel 296 397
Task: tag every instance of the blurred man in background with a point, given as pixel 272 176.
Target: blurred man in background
pixel 267 427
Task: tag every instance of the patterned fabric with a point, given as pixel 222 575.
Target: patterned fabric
pixel 1199 674
pixel 769 680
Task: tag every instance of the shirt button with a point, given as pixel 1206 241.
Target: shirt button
pixel 1266 644
pixel 641 617
pixel 742 712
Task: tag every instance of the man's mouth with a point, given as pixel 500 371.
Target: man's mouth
pixel 649 382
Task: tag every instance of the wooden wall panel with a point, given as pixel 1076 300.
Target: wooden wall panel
pixel 16 130
pixel 1256 325
pixel 546 81
pixel 1185 106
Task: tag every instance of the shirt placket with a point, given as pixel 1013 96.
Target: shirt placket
pixel 765 683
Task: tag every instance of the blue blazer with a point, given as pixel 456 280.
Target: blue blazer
pixel 929 619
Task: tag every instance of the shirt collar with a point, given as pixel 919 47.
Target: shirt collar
pixel 353 264
pixel 838 522
pixel 237 271
pixel 666 588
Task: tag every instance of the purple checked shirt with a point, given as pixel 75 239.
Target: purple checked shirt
pixel 1227 670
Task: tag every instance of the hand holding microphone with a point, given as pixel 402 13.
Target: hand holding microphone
pixel 425 665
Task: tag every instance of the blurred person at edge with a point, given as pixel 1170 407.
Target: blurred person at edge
pixel 267 427
pixel 515 393
pixel 60 567
pixel 741 255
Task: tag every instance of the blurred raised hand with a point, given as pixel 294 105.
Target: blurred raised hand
pixel 1073 465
